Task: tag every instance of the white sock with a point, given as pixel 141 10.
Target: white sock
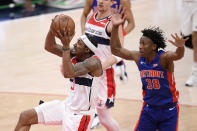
pixel 194 67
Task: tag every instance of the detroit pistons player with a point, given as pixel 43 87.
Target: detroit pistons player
pixel 160 108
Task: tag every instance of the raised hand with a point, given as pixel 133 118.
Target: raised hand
pixel 66 38
pixel 178 41
pixel 118 16
pixel 63 34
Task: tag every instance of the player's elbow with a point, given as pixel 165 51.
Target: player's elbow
pixel 66 75
pixel 48 48
pixel 180 56
pixel 115 51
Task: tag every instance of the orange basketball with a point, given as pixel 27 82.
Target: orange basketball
pixel 65 24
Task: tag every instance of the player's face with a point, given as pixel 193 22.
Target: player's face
pixel 104 5
pixel 146 47
pixel 79 48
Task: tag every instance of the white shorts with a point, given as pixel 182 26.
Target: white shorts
pixel 55 113
pixel 189 18
pixel 106 89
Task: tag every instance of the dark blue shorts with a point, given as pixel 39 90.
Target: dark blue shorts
pixel 156 118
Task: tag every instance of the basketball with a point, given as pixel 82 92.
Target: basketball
pixel 65 24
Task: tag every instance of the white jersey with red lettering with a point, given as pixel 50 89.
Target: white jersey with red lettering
pixel 106 84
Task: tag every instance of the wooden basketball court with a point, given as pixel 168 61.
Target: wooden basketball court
pixel 28 73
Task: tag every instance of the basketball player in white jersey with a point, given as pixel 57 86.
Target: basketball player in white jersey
pixel 99 25
pixel 77 111
pixel 189 28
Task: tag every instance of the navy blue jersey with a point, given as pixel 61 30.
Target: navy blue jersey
pixel 94 5
pixel 158 85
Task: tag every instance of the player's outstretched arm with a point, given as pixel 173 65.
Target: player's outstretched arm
pixel 129 16
pixel 118 18
pixel 86 11
pixel 179 42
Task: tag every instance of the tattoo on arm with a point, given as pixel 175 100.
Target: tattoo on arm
pixel 88 66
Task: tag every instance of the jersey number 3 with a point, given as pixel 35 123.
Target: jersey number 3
pixel 153 84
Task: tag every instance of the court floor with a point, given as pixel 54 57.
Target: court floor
pixel 28 73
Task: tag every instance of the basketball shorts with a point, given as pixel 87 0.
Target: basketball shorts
pixel 55 113
pixel 189 18
pixel 158 118
pixel 106 89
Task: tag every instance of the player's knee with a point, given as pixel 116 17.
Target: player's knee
pixel 104 121
pixel 24 117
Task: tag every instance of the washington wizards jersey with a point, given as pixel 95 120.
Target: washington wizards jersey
pixel 80 93
pixel 98 29
pixel 158 85
pixel 94 5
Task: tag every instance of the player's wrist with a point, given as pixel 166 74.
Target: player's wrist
pixel 65 48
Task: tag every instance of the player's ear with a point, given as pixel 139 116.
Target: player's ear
pixel 154 46
pixel 87 50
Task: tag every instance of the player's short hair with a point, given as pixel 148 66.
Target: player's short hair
pixel 156 35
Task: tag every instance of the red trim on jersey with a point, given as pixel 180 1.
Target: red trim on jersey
pixel 171 81
pixel 74 60
pixel 123 31
pixel 85 120
pixel 177 121
pixel 144 103
pixel 111 85
pixel 96 57
pixel 100 23
pixel 143 93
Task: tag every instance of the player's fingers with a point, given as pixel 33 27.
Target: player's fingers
pixel 120 9
pixel 173 36
pixel 124 17
pixel 123 11
pixel 187 38
pixel 171 42
pixel 56 16
pixel 182 36
pixel 116 10
pixel 112 10
pixel 54 25
pixel 177 35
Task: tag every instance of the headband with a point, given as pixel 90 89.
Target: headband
pixel 88 43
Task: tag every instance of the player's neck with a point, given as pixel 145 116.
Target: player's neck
pixel 83 57
pixel 103 14
pixel 151 57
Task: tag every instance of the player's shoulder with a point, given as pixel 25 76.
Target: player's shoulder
pixel 89 2
pixel 94 65
pixel 125 2
pixel 93 60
